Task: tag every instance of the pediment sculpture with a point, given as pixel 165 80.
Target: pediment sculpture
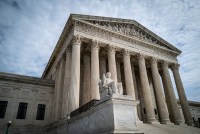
pixel 128 29
pixel 108 86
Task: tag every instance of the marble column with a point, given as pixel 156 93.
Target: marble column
pixel 138 115
pixel 67 82
pixel 171 94
pixel 181 94
pixel 112 63
pixel 59 89
pixel 55 92
pixel 75 75
pixel 159 95
pixel 148 103
pixel 167 98
pixel 118 70
pixel 95 71
pixel 102 65
pixel 85 96
pixel 130 90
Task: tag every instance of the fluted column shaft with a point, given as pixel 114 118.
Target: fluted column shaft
pixel 171 94
pixel 75 74
pixel 86 92
pixel 95 71
pixel 130 90
pixel 112 63
pixel 102 65
pixel 55 92
pixel 160 99
pixel 182 96
pixel 148 103
pixel 66 82
pixel 59 89
pixel 119 79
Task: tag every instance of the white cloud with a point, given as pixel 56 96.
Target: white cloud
pixel 29 30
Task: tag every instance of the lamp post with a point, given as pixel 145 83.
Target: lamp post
pixel 8 125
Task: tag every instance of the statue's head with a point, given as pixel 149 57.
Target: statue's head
pixel 108 75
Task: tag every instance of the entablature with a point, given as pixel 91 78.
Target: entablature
pixel 105 36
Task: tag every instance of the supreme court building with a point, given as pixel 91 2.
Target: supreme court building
pixel 68 90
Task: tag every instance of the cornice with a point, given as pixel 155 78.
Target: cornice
pixel 25 79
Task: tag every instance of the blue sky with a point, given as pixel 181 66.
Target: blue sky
pixel 29 30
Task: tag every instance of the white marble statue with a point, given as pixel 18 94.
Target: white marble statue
pixel 107 86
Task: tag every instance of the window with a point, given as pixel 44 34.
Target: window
pixel 3 106
pixel 155 111
pixel 40 112
pixel 21 114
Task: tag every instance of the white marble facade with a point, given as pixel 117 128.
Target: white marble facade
pixel 90 46
pixel 125 48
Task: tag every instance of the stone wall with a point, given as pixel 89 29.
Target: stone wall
pixel 31 90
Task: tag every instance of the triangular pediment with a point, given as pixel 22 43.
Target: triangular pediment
pixel 126 27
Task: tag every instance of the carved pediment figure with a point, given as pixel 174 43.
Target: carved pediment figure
pixel 108 86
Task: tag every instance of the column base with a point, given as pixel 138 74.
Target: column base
pixel 152 120
pixel 165 121
pixel 178 122
pixel 189 123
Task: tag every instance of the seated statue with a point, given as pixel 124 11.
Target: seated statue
pixel 107 86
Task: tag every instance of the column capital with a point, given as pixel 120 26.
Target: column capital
pixel 174 66
pixel 153 60
pixel 111 48
pixel 164 64
pixel 126 53
pixel 140 57
pixel 68 49
pixel 95 44
pixel 76 40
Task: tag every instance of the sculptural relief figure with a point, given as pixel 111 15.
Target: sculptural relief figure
pixel 107 86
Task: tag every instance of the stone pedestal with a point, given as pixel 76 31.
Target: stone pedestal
pixel 112 114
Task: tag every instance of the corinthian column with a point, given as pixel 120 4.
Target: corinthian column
pixel 148 103
pixel 55 95
pixel 112 63
pixel 86 92
pixel 75 74
pixel 66 82
pixel 160 99
pixel 171 94
pixel 119 79
pixel 59 89
pixel 130 90
pixel 95 71
pixel 181 94
pixel 102 64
